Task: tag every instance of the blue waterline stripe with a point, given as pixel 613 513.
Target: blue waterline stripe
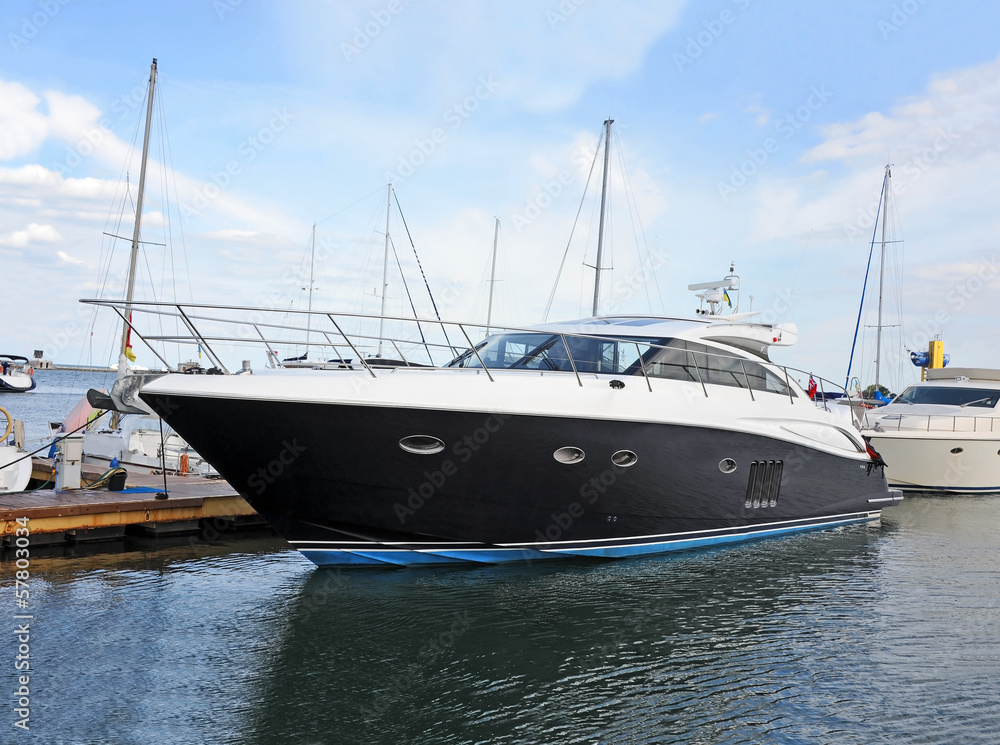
pixel 917 487
pixel 400 556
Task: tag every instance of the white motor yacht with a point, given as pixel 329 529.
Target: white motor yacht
pixel 16 374
pixel 941 434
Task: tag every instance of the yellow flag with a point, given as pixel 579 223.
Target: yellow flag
pixel 130 354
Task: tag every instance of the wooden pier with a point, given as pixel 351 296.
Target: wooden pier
pixel 97 514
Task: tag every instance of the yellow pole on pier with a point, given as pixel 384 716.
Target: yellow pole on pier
pixel 935 355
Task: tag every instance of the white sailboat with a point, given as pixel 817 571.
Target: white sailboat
pixel 940 434
pixel 133 436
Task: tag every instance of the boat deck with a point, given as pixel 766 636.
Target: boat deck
pixel 94 514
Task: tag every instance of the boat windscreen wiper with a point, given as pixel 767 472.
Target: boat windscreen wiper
pixel 986 401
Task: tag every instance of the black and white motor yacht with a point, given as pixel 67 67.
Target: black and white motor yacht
pixel 603 437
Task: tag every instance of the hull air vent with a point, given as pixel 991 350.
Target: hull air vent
pixel 763 484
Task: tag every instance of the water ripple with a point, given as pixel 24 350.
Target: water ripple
pixel 872 634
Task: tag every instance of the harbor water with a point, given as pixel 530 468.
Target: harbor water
pixel 877 633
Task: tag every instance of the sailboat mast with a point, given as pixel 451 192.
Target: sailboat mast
pixel 600 228
pixel 493 276
pixel 130 284
pixel 385 269
pixel 881 276
pixel 312 266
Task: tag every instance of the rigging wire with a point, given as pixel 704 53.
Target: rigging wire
pixel 548 306
pixel 169 164
pixel 864 286
pixel 637 217
pixel 796 280
pixel 422 274
pixel 409 297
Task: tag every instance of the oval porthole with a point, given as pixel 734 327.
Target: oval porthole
pixel 624 458
pixel 422 444
pixel 956 451
pixel 569 455
pixel 727 465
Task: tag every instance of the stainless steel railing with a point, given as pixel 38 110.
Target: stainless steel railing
pixel 418 343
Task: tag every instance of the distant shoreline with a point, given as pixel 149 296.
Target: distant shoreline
pixel 85 368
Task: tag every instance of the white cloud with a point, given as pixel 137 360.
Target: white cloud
pixel 233 235
pixel 943 144
pixel 958 114
pixel 22 127
pixel 65 257
pixel 34 233
pixel 562 46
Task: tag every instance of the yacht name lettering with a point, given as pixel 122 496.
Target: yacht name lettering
pixel 276 467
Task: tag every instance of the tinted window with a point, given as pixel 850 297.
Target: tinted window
pixel 928 394
pixel 530 351
pixel 691 361
pixel 673 359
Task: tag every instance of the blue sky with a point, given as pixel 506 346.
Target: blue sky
pixel 750 132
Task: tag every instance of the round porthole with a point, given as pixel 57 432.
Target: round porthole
pixel 956 451
pixel 569 455
pixel 624 458
pixel 727 465
pixel 422 444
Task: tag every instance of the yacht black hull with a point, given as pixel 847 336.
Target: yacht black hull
pixel 334 481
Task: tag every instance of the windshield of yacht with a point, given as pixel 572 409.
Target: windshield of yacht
pixel 929 394
pixel 674 359
pixel 537 351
